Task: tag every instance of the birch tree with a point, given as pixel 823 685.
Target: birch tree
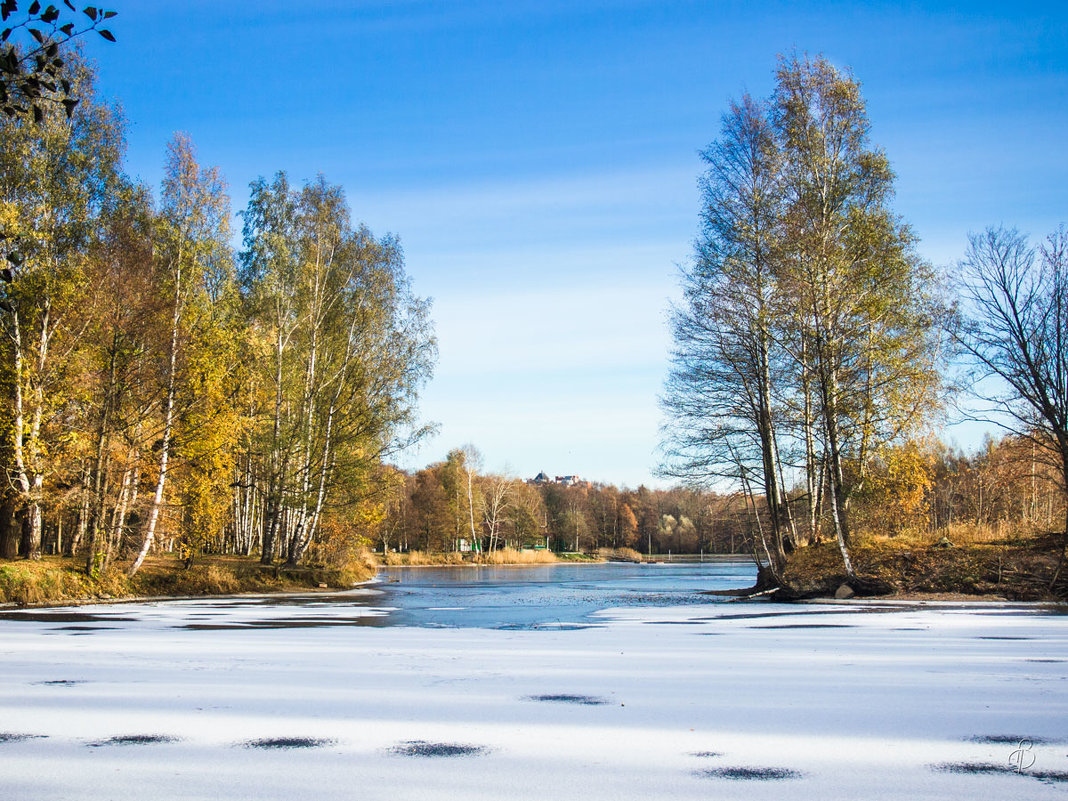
pixel 56 178
pixel 809 323
pixel 349 348
pixel 720 392
pixel 192 241
pixel 116 334
pixel 267 265
pixel 865 305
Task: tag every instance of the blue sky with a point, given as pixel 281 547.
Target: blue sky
pixel 539 161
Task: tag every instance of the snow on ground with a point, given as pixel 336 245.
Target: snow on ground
pixel 246 700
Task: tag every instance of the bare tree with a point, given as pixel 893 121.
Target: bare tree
pixel 719 394
pixel 472 463
pixel 496 498
pixel 1014 326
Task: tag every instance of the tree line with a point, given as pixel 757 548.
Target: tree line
pixel 814 349
pixel 921 486
pixel 162 387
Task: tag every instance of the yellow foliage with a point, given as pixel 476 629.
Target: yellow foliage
pixel 893 498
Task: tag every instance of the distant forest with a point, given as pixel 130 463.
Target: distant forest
pixel 920 488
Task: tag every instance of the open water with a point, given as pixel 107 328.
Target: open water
pixel 548 596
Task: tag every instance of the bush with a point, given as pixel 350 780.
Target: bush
pixel 619 555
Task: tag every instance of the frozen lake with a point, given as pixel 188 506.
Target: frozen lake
pixel 593 682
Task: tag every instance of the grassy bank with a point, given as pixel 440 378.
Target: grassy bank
pixel 1014 567
pixel 59 580
pixel 504 556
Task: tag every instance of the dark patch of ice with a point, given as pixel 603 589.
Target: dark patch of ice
pixel 542 626
pixel 567 698
pixel 674 622
pixel 1001 637
pixel 289 742
pixel 971 768
pixel 1044 660
pixel 17 737
pixel 705 754
pixel 297 623
pixel 422 748
pixel 62 682
pixel 806 626
pixel 855 610
pixel 751 774
pixel 1008 739
pixel 64 617
pixel 1048 776
pixel 135 739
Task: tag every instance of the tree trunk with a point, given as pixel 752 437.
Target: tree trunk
pixel 25 463
pixel 275 479
pixel 83 515
pixel 168 422
pixel 95 561
pixel 812 486
pixel 838 531
pixel 9 534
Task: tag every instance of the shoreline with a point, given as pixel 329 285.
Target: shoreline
pixel 148 599
pixel 61 581
pixel 731 596
pixel 903 599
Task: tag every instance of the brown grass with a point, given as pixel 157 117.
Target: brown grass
pixel 969 562
pixel 961 533
pixel 41 581
pixel 1001 531
pixel 56 579
pixel 510 556
pixel 422 559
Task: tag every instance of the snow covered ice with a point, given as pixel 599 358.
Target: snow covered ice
pixel 248 699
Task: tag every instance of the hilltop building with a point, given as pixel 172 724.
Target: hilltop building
pixel 564 481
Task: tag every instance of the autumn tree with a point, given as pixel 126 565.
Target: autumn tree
pixel 628 526
pixel 347 346
pixel 896 493
pixel 57 178
pixel 193 254
pixel 118 331
pixel 810 325
pixel 868 307
pixel 527 514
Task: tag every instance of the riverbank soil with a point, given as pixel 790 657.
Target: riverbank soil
pixel 56 579
pixel 1013 569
